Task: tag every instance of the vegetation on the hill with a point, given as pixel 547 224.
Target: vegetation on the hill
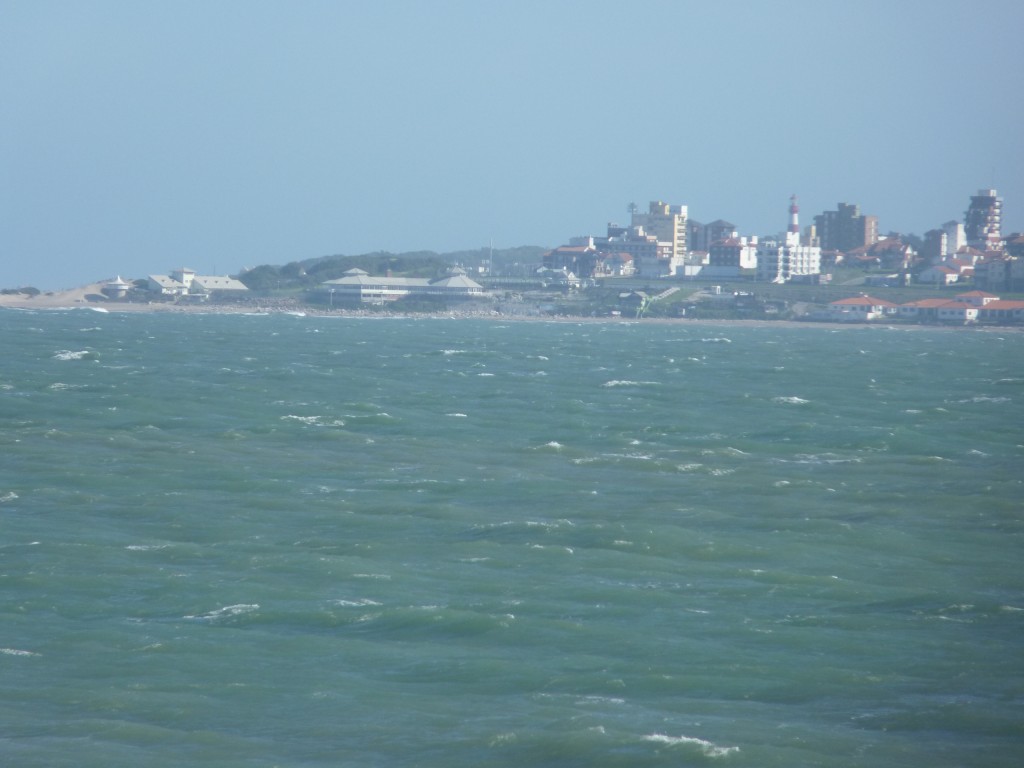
pixel 311 272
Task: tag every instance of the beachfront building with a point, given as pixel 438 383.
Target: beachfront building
pixel 860 309
pixel 358 286
pixel 116 288
pixel 1002 311
pixel 185 282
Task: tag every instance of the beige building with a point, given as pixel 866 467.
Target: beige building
pixel 668 225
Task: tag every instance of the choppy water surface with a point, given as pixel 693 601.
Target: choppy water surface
pixel 300 541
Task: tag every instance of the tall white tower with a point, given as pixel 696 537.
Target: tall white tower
pixel 793 233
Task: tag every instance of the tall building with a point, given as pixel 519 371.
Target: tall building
pixel 956 238
pixel 667 223
pixel 982 221
pixel 845 228
pixel 781 262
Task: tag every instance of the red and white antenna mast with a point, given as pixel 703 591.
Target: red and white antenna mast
pixel 794 216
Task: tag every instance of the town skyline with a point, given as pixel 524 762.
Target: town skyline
pixel 295 131
pixel 805 234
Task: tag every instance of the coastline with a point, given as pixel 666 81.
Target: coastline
pixel 75 299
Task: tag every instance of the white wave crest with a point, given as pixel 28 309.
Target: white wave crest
pixel 793 400
pixel 67 354
pixel 706 747
pixel 226 611
pixel 18 652
pixel 9 496
pixel 627 383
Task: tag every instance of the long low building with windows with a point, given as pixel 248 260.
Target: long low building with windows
pixel 359 286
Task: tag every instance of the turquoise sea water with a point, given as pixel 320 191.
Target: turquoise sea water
pixel 301 541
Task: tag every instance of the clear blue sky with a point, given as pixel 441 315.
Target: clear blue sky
pixel 140 136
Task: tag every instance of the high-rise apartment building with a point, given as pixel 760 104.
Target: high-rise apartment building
pixel 668 225
pixel 845 229
pixel 983 219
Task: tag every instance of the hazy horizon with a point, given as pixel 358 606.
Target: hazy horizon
pixel 140 137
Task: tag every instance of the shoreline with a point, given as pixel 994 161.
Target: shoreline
pixel 75 299
pixel 56 303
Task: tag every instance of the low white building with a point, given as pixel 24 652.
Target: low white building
pixel 185 282
pixel 860 309
pixel 362 287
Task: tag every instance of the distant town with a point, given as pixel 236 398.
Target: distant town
pixel 663 263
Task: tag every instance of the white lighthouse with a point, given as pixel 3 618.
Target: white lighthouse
pixel 793 233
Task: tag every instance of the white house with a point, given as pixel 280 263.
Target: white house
pixel 859 309
pixel 939 275
pixel 185 282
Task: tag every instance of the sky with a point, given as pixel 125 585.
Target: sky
pixel 137 137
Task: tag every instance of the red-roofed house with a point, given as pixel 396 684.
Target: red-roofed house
pixel 958 312
pixel 922 309
pixel 977 298
pixel 1002 311
pixel 860 309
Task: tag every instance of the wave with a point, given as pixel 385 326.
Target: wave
pixel 707 748
pixel 226 612
pixel 18 652
pixel 791 400
pixel 314 421
pixel 67 354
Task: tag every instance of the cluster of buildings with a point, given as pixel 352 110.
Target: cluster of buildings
pixel 665 242
pixel 965 308
pixel 180 283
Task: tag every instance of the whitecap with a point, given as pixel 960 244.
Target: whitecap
pixel 303 419
pixel 457 415
pixel 18 652
pixel 356 603
pixel 707 748
pixel 9 496
pixel 228 610
pixel 67 354
pixel 627 383
pixel 792 400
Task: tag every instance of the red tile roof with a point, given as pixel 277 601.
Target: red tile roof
pixel 861 301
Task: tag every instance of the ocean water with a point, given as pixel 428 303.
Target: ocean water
pixel 233 540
